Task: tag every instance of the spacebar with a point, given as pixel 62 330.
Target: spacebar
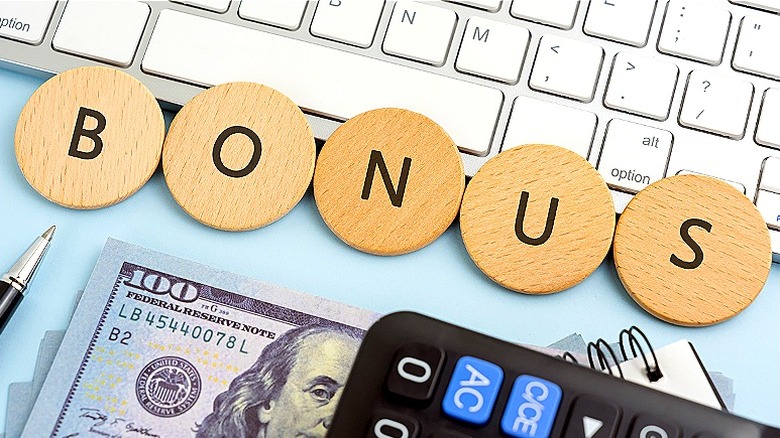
pixel 321 80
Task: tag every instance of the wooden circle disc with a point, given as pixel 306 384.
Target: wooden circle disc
pixel 389 181
pixel 692 250
pixel 89 137
pixel 239 156
pixel 537 219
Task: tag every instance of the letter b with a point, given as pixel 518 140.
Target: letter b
pixel 94 134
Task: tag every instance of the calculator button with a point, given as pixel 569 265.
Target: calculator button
pixel 592 419
pixel 646 427
pixel 532 407
pixel 389 424
pixel 415 371
pixel 472 390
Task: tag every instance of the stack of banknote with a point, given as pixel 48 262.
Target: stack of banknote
pixel 163 347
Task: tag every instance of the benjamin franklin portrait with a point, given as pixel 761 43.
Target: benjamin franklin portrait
pixel 292 390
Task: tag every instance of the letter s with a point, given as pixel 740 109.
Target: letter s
pixel 698 254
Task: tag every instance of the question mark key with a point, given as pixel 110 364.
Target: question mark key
pixel 721 110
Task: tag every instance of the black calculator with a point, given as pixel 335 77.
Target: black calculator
pixel 417 377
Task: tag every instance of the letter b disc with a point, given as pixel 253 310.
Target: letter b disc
pixel 89 137
pixel 692 250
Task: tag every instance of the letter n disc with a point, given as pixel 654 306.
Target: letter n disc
pixel 389 181
pixel 239 156
pixel 72 170
pixel 716 273
pixel 524 251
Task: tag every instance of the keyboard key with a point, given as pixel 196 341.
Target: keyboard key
pixel 716 104
pixel 488 5
pixel 756 50
pixel 286 14
pixel 531 409
pixel 736 185
pixel 768 131
pixel 646 427
pixel 567 67
pixel 26 20
pixel 352 84
pixel 538 122
pixel 211 5
pixel 767 5
pixel 770 175
pixel 624 21
pixel 592 419
pixel 695 30
pixel 472 390
pixel 485 46
pixel 641 85
pixel 349 21
pixel 420 32
pixel 558 13
pixel 634 156
pixel 105 31
pixel 390 424
pixel 415 371
pixel 768 203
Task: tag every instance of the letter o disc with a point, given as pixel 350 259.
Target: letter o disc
pixel 239 156
pixel 72 170
pixel 389 181
pixel 560 254
pixel 735 254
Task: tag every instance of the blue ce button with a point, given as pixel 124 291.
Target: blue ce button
pixel 531 409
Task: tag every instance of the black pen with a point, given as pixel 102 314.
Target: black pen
pixel 14 282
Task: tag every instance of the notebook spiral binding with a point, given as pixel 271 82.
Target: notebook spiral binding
pixel 602 357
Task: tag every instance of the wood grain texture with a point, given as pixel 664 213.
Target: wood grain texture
pixel 132 138
pixel 433 192
pixel 581 232
pixel 269 190
pixel 736 251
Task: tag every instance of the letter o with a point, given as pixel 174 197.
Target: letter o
pixel 257 149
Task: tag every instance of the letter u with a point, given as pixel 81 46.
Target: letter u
pixel 548 227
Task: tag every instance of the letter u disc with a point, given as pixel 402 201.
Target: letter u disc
pixel 692 250
pixel 389 181
pixel 89 137
pixel 537 219
pixel 239 156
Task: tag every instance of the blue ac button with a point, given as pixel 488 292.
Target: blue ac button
pixel 531 409
pixel 472 390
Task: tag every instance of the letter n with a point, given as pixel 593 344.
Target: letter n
pixel 94 134
pixel 548 227
pixel 378 161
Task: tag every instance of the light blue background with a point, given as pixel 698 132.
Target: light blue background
pixel 300 252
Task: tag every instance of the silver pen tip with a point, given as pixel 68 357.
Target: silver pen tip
pixel 48 234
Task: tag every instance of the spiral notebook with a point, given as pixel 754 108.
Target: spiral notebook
pixel 675 369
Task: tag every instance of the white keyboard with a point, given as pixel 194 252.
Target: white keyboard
pixel 642 88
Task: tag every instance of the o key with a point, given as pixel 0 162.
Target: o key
pixel 537 219
pixel 389 181
pixel 239 156
pixel 692 250
pixel 89 137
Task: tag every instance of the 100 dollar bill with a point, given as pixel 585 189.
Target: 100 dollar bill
pixel 162 347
